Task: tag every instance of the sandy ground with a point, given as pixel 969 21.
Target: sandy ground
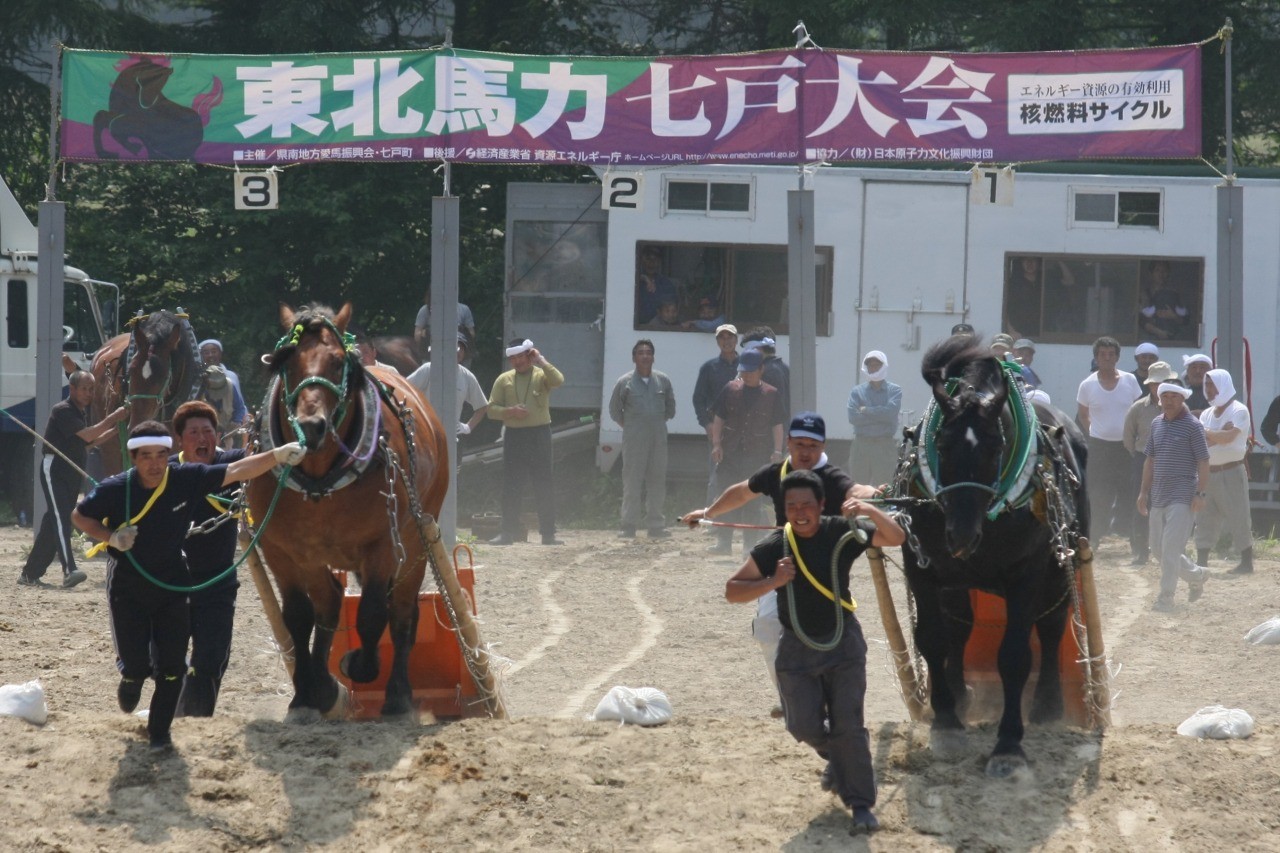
pixel 577 620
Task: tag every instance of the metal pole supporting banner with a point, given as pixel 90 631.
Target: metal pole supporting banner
pixel 1230 347
pixel 52 231
pixel 444 336
pixel 802 300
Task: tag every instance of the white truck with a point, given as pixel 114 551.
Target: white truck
pixel 89 319
pixel 902 256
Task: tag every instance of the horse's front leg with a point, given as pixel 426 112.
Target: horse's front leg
pixel 957 625
pixel 361 664
pixel 946 732
pixel 326 596
pixel 299 620
pixel 1014 664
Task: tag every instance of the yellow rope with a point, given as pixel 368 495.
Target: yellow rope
pixel 164 481
pixel 849 605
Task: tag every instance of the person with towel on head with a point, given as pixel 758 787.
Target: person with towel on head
pixel 1194 367
pixel 521 400
pixel 873 410
pixel 211 353
pixel 1144 355
pixel 1174 478
pixel 1226 428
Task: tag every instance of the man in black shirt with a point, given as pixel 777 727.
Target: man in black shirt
pixel 143 516
pixel 714 374
pixel 806 451
pixel 822 658
pixel 69 433
pixel 209 554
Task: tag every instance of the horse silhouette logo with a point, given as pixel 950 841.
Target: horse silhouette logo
pixel 139 118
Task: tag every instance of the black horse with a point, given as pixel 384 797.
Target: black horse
pixel 995 500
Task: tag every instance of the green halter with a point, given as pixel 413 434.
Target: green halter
pixel 291 397
pixel 1011 488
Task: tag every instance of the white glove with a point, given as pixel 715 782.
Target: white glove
pixel 122 539
pixel 289 454
pixel 463 429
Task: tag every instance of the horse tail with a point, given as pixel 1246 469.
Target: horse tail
pixel 204 102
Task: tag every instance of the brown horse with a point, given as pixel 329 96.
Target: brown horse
pixel 153 369
pixel 377 454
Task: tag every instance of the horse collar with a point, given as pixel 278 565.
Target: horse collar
pixel 354 462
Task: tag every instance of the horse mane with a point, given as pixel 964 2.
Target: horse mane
pixel 950 358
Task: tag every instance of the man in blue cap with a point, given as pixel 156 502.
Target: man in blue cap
pixel 746 432
pixel 806 451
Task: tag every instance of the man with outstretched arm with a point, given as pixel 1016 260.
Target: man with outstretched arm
pixel 822 657
pixel 143 515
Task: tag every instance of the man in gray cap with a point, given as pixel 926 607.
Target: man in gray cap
pixel 1137 428
pixel 746 432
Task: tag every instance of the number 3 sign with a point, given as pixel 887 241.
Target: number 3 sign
pixel 257 191
pixel 622 191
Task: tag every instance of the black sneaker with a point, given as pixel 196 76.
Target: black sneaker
pixel 128 694
pixel 76 577
pixel 23 580
pixel 863 821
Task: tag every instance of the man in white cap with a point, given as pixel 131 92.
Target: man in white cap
pixel 1194 368
pixel 1174 478
pixel 521 400
pixel 1137 428
pixel 211 353
pixel 1144 355
pixel 1226 428
pixel 873 410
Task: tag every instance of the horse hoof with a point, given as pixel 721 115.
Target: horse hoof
pixel 947 743
pixel 302 716
pixel 1005 766
pixel 341 707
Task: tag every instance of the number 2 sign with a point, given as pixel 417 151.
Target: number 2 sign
pixel 257 190
pixel 622 191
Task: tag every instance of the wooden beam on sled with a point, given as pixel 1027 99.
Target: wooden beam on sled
pixel 1099 677
pixel 902 664
pixel 270 604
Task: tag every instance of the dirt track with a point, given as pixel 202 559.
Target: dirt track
pixel 573 622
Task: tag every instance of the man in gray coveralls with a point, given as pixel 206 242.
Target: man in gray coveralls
pixel 642 403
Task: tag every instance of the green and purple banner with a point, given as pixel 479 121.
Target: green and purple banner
pixel 787 106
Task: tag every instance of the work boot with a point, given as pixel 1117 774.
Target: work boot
pixel 863 821
pixel 1202 556
pixel 1246 563
pixel 128 694
pixel 163 704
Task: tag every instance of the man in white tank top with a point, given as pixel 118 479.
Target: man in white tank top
pixel 1103 401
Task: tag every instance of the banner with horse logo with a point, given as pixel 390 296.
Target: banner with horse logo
pixel 786 106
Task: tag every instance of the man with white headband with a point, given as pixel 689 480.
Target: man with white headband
pixel 521 399
pixel 1137 428
pixel 1226 428
pixel 873 410
pixel 143 515
pixel 1173 486
pixel 1194 368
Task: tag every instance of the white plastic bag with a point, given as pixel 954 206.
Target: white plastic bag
pixel 1266 634
pixel 641 706
pixel 1217 722
pixel 25 701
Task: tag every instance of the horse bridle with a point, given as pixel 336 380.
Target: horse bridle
pixel 348 342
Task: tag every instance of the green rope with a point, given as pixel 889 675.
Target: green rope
pixel 232 568
pixel 854 535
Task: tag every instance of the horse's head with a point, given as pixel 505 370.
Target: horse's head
pixel 319 368
pixel 969 387
pixel 150 372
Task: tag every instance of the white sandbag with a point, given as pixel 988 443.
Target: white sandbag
pixel 1217 722
pixel 1266 634
pixel 25 701
pixel 641 706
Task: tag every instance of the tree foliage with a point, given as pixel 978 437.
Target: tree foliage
pixel 169 234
